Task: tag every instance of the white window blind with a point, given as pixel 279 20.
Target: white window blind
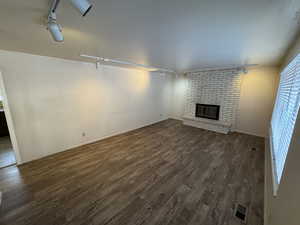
pixel 285 114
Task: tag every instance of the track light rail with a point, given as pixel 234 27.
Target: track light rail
pixel 127 63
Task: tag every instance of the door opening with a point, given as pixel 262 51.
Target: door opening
pixel 7 155
pixel 9 151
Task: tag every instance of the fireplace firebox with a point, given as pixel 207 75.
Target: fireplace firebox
pixel 207 111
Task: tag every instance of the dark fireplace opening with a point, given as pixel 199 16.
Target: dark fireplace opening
pixel 207 111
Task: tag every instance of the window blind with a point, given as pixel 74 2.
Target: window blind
pixel 285 114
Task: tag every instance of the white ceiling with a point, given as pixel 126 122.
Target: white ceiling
pixel 176 34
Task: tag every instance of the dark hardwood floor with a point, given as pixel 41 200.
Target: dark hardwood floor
pixel 163 174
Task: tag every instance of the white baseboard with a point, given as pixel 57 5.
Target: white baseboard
pixel 176 118
pixel 250 133
pixel 94 140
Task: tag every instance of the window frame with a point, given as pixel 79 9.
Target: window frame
pixel 275 181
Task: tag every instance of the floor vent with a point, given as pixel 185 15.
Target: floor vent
pixel 241 212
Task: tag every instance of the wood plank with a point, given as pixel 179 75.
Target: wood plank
pixel 163 174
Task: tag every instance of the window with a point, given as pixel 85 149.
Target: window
pixel 285 115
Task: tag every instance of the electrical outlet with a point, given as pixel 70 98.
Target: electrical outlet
pixel 83 134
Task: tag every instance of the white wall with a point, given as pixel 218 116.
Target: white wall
pixel 53 101
pixel 258 90
pixel 258 93
pixel 178 102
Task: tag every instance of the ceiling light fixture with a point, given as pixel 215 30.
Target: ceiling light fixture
pixel 126 63
pixel 83 6
pixel 52 25
pixel 54 28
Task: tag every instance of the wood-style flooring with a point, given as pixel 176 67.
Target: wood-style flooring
pixel 163 174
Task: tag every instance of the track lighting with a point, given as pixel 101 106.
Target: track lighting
pixel 83 6
pixel 98 65
pixel 125 63
pixel 54 28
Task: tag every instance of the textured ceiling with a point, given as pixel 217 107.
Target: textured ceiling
pixel 176 34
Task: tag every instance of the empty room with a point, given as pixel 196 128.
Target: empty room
pixel 148 112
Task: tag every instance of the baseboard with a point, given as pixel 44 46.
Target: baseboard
pixel 249 133
pixel 93 141
pixel 114 134
pixel 176 118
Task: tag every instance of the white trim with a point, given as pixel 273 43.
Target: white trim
pixel 96 140
pixel 266 170
pixel 176 118
pixel 9 121
pixel 273 165
pixel 247 132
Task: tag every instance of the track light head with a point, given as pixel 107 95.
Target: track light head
pixel 98 65
pixel 55 30
pixel 83 6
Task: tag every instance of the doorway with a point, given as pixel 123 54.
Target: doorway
pixel 9 151
pixel 7 156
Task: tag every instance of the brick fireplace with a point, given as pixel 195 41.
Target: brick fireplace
pixel 220 88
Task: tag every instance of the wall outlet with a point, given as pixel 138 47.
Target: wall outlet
pixel 83 134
